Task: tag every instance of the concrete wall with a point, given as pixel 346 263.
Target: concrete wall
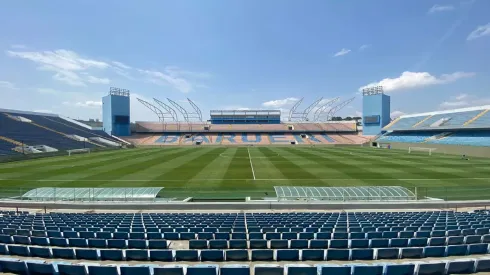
pixel 445 149
pixel 224 206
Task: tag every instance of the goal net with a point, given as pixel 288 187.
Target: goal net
pixel 421 149
pixel 78 151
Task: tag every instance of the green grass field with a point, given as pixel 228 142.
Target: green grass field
pixel 236 172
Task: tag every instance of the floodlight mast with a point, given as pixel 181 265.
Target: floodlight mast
pixel 320 111
pixel 153 108
pixel 339 107
pixel 372 90
pixel 307 111
pixel 198 111
pixel 292 112
pixel 170 111
pixel 188 116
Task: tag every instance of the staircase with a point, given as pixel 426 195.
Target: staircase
pixel 422 121
pixel 476 117
pixel 9 140
pixel 438 137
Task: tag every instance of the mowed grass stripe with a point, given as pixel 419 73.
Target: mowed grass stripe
pixel 287 167
pixel 120 170
pixel 215 169
pixel 239 168
pixel 264 169
pixel 68 172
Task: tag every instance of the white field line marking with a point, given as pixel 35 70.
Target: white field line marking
pixel 251 165
pixel 220 179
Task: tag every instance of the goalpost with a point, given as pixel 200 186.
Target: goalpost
pixel 421 149
pixel 78 151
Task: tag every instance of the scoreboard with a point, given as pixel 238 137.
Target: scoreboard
pixel 371 119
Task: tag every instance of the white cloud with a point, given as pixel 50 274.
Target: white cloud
pixel 464 100
pixel 7 85
pixel 280 102
pixel 344 51
pixel 43 111
pixel 480 31
pixel 96 80
pixel 396 114
pixel 461 96
pixel 160 78
pixel 363 47
pixel 411 80
pixel 66 65
pixel 440 8
pixel 84 104
pixel 121 65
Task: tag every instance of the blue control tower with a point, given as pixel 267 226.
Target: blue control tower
pixel 375 110
pixel 116 112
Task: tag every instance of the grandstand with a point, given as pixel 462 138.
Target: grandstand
pixel 466 127
pixel 31 132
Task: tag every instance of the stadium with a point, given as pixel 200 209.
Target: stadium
pixel 246 191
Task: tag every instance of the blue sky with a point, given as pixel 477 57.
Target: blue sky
pixel 62 56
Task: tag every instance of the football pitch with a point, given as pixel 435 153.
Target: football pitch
pixel 237 172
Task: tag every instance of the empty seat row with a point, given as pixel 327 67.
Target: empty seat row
pixel 459 266
pixel 243 254
pixel 323 244
pixel 78 242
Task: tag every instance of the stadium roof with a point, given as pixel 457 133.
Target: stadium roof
pixel 469 109
pixel 364 193
pixel 93 194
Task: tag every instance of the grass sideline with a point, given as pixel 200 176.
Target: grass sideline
pixel 228 172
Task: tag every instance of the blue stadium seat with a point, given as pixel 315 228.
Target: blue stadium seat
pixel 482 265
pixel 328 269
pixel 116 243
pixel 299 244
pixel 137 244
pixel 362 254
pixel 77 242
pixel 72 269
pixel 262 255
pixel 258 244
pixel 203 269
pixel 212 255
pixel 61 242
pixel 236 255
pixel 234 269
pixel 41 268
pixel 137 255
pixel 300 269
pixel 400 269
pixel 131 270
pixel 187 255
pixel 22 240
pixel 238 244
pixel 412 253
pixel 379 243
pixel 387 253
pixel 87 254
pixel 437 241
pixel 170 270
pixel 13 266
pixel 338 255
pixel 279 244
pixel 287 255
pixel 111 255
pixel 472 239
pixel 339 244
pixel 306 235
pixel 360 243
pixel 102 270
pixel 434 251
pixel 417 242
pixel 460 266
pixel 399 242
pixel 455 240
pixel 205 236
pixel 256 236
pixel 390 235
pixel 431 268
pixel 474 249
pixel 18 250
pixel 161 255
pixel 63 253
pixel 362 269
pixel 96 243
pixel 318 244
pixel 41 252
pixel 268 269
pixel 456 250
pixel 198 244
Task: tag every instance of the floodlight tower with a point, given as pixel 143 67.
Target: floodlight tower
pixel 339 107
pixel 375 110
pixel 323 109
pixel 152 108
